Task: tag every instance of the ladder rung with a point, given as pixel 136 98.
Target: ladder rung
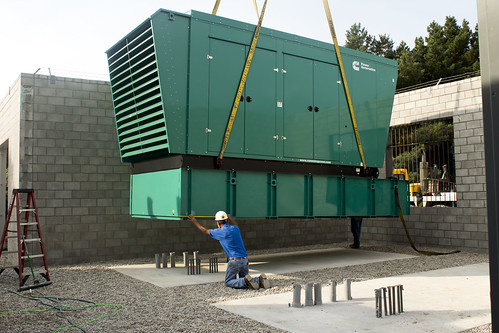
pixel 26 210
pixel 28 223
pixel 32 240
pixel 15 251
pixel 32 256
pixel 15 236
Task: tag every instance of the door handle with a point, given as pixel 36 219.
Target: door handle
pixel 309 108
pixel 316 109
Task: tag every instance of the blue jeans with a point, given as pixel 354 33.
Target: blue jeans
pixel 237 268
pixel 355 226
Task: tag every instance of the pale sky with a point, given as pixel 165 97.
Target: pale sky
pixel 70 37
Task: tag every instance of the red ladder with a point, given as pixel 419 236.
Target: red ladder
pixel 28 235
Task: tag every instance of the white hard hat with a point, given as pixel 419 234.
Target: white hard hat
pixel 220 216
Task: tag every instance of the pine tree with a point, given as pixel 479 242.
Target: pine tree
pixel 448 50
pixel 358 38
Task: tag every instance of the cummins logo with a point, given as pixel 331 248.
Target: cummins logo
pixel 357 66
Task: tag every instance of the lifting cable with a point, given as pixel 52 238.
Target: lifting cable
pixel 426 253
pixel 343 77
pixel 240 89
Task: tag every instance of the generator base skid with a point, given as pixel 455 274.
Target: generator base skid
pixel 175 193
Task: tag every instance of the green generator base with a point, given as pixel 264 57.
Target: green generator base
pixel 174 194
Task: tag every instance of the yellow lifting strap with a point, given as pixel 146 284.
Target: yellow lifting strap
pixel 240 89
pixel 215 9
pixel 343 77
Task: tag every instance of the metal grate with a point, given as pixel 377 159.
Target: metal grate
pixel 433 138
pixel 138 105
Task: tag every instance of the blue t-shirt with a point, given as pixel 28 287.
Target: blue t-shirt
pixel 230 238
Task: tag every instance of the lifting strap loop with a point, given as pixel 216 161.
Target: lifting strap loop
pixel 426 253
pixel 240 89
pixel 343 77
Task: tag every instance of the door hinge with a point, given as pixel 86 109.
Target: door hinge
pixel 208 130
pixel 283 138
pixel 276 137
pixel 283 71
pixel 209 57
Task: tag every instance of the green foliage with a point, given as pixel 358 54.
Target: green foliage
pixel 400 162
pixel 447 50
pixel 422 138
pixel 358 38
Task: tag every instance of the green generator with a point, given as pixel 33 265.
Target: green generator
pixel 292 151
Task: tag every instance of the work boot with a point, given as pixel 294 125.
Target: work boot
pixel 264 283
pixel 250 283
pixel 354 246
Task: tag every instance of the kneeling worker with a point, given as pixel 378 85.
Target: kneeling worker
pixel 229 236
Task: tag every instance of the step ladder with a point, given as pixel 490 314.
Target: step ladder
pixel 23 236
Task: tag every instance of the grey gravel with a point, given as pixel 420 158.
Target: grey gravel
pixel 148 308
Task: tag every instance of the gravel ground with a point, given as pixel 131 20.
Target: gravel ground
pixel 143 307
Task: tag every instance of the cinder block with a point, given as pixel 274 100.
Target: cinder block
pixel 474 124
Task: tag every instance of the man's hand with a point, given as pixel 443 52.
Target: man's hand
pixel 199 226
pixel 232 221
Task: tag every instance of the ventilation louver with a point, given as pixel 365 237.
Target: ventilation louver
pixel 138 105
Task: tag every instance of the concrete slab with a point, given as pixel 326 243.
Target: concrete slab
pixel 446 300
pixel 268 264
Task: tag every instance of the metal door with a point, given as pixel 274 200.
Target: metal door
pixel 326 112
pixel 226 66
pixel 298 119
pixel 260 105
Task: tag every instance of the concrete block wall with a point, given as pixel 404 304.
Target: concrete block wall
pixel 463 226
pixel 69 155
pixel 61 139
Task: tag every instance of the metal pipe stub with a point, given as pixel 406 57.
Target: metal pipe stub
pixel 158 260
pixel 378 303
pixel 348 289
pixel 332 295
pixel 317 294
pixel 172 259
pixel 309 298
pixel 296 296
pixel 384 300
pixel 164 259
pixel 214 265
pixel 394 304
pixel 194 267
pixel 400 302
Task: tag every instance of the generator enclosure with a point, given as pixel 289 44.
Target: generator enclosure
pixel 174 79
pixel 171 194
